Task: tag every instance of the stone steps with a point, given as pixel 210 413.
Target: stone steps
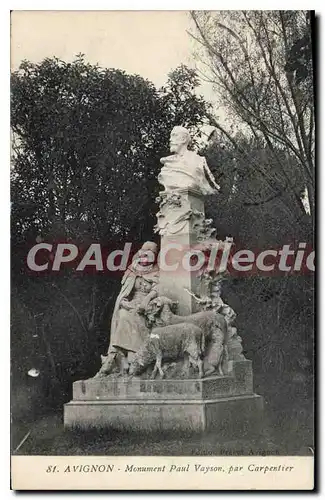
pixel 216 402
pixel 225 415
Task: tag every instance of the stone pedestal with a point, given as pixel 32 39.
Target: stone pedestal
pixel 177 284
pixel 180 217
pixel 224 403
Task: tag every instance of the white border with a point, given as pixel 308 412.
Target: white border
pixel 5 7
pixel 162 5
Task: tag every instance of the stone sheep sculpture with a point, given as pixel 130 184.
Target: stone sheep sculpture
pixel 173 342
pixel 212 324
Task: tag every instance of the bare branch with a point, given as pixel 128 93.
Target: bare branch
pixel 72 307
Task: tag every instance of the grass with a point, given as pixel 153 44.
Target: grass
pixel 288 430
pixel 48 437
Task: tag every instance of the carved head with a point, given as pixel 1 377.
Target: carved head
pixel 155 309
pixel 142 359
pixel 137 366
pixel 179 137
pixel 147 254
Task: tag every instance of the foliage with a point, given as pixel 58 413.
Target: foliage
pixel 257 207
pixel 87 140
pixel 86 148
pixel 260 65
pixel 299 61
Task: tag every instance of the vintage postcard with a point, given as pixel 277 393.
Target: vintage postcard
pixel 162 259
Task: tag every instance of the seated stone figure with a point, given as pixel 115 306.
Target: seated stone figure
pixel 128 326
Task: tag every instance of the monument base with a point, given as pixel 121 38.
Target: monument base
pixel 227 415
pixel 226 404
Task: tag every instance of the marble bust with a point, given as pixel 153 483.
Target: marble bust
pixel 185 169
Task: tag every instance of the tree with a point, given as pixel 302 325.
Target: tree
pixel 86 140
pixel 262 153
pixel 247 208
pixel 252 61
pixel 86 148
pixel 299 63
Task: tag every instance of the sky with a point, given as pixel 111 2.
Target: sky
pixel 148 43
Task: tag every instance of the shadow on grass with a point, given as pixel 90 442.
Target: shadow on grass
pixel 48 437
pixel 287 430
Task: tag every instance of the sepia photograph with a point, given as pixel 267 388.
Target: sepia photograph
pixel 162 249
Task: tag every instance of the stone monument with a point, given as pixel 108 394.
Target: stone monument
pixel 181 217
pixel 175 359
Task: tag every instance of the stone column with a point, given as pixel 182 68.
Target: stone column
pixel 180 220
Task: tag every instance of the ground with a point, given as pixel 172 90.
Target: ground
pixel 287 430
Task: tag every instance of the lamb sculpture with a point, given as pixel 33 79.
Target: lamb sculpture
pixel 200 339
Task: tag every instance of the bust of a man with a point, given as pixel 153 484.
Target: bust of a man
pixel 185 169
